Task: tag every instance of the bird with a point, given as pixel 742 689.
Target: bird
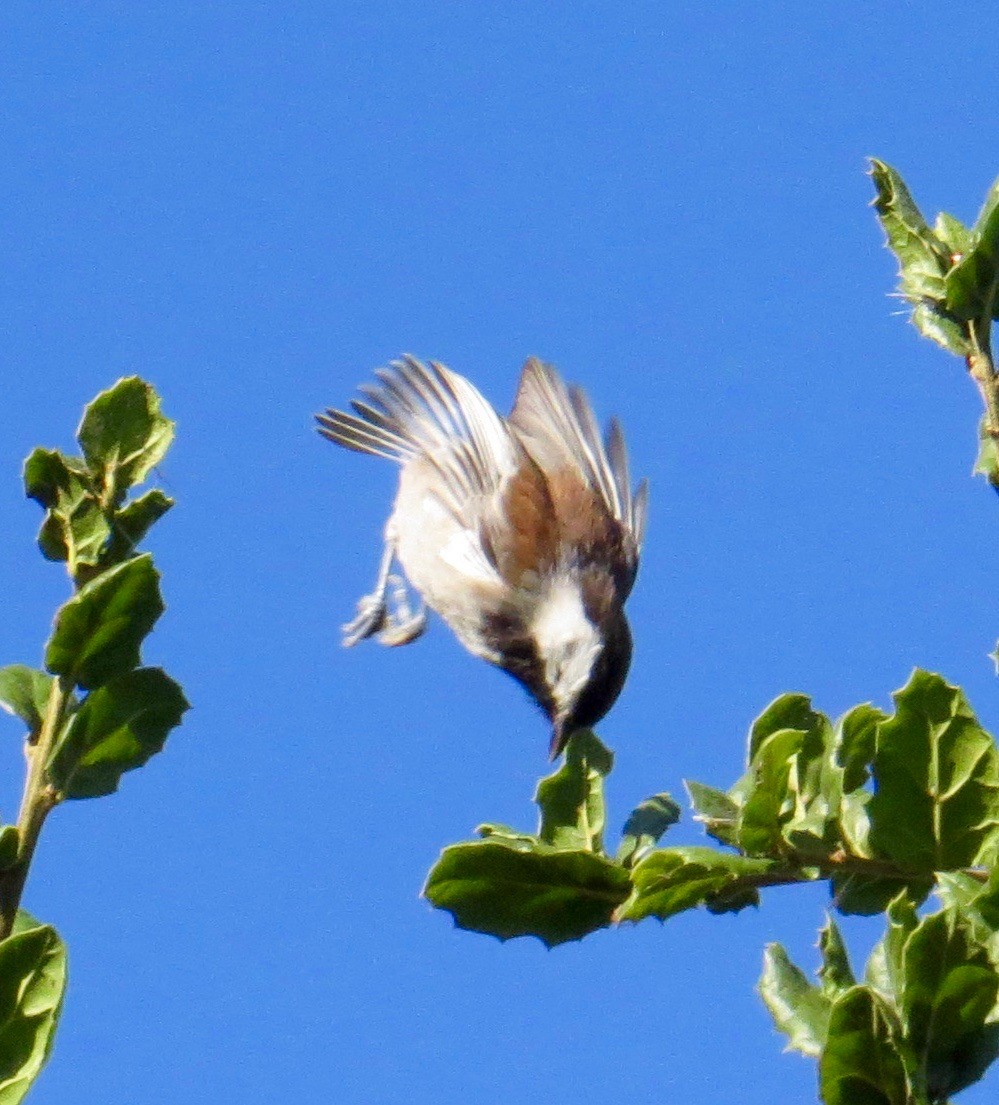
pixel 523 533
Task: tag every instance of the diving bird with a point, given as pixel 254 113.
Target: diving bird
pixel 522 532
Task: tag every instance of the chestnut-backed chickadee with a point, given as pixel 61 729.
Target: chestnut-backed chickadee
pixel 522 533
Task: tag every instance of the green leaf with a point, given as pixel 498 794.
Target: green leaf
pixel 788 711
pixel 856 732
pixel 769 803
pixel 24 692
pixel 523 842
pixel 672 880
pixel 9 840
pixel 118 728
pixel 716 810
pixel 799 1009
pixel 132 523
pixel 124 435
pixel 75 528
pixel 950 990
pixel 555 895
pixel 98 632
pixel 835 973
pixel 973 282
pixel 924 259
pixel 936 803
pixel 885 968
pixel 861 1062
pixel 863 895
pixel 987 461
pixel 32 984
pixel 645 825
pixel 573 815
pixel 957 237
pixel 816 787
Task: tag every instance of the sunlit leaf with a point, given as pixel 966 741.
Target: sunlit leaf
pixel 799 1009
pixel 24 692
pixel 936 802
pixel 503 891
pixel 124 435
pixel 571 800
pixel 32 984
pixel 672 880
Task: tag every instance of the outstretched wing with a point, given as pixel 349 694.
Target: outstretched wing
pixel 557 426
pixel 427 411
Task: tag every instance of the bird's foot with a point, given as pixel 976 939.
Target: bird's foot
pixel 402 624
pixel 370 619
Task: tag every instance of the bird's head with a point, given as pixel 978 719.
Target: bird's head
pixel 582 646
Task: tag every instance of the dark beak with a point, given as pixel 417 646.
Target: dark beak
pixel 560 738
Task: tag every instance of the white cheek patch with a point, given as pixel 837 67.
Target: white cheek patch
pixel 567 641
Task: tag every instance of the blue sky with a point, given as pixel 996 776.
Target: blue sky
pixel 254 206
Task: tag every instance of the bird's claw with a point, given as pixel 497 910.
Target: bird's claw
pixel 402 624
pixel 371 616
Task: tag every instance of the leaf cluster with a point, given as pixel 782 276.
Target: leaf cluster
pixel 94 712
pixel 949 274
pixel 923 1023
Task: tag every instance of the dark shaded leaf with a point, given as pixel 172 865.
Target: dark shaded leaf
pixel 573 815
pixel 75 528
pixel 718 812
pixel 973 281
pixel 861 1062
pixel 123 436
pixel 555 895
pixel 936 803
pixel 118 728
pixel 24 692
pixel 835 972
pixel 644 827
pixel 9 840
pixel 132 523
pixel 672 880
pixel 32 984
pixel 950 990
pixel 799 1009
pixel 98 632
pixel 864 895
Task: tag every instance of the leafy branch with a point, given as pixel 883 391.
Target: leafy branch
pixel 94 712
pixel 949 273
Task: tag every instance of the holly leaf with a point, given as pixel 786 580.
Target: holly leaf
pixel 573 814
pixel 645 826
pixel 32 984
pixel 98 632
pixel 936 772
pixel 75 527
pixel 672 880
pixel 861 1063
pixel 835 973
pixel 556 895
pixel 949 993
pixel 117 729
pixel 799 1009
pixel 24 692
pixel 716 810
pixel 124 435
pixel 973 282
